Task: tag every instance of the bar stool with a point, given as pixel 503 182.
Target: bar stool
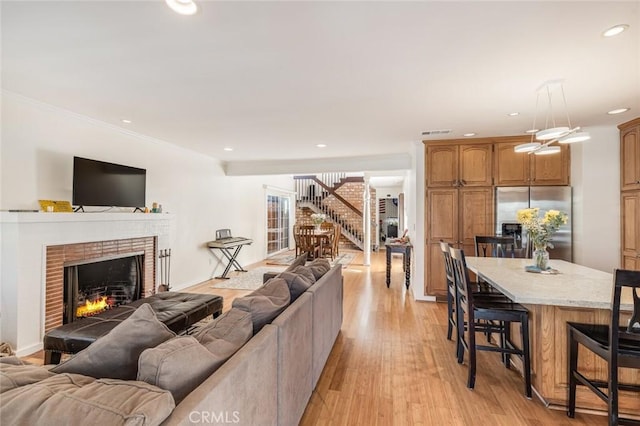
pixel 618 345
pixel 490 246
pixel 479 290
pixel 498 316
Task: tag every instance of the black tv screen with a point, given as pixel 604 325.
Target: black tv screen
pixel 97 183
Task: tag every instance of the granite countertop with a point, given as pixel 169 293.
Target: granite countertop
pixel 573 285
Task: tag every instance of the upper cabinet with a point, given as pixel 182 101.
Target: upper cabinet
pixel 630 155
pixel 521 169
pixel 459 165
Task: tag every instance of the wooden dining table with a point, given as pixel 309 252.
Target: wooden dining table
pixel 573 293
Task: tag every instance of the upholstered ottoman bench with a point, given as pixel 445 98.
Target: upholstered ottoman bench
pixel 178 311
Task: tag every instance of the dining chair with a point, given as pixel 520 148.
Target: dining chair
pixel 308 241
pixel 337 233
pixel 328 242
pixel 498 314
pixel 617 344
pixel 296 239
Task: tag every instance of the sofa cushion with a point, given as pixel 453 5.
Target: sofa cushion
pixel 319 267
pixel 305 272
pixel 72 399
pixel 13 360
pixel 296 283
pixel 178 365
pixel 298 261
pixel 14 375
pixel 227 333
pixel 115 355
pixel 265 303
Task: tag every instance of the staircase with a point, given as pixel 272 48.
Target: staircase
pixel 318 193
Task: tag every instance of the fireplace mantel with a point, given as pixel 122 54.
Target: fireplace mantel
pixel 25 237
pixel 42 217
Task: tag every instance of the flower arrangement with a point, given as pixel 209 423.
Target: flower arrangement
pixel 318 218
pixel 541 230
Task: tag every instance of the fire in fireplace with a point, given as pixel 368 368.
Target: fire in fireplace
pixel 93 286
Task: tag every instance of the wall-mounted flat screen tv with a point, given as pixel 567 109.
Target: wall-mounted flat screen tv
pixel 97 183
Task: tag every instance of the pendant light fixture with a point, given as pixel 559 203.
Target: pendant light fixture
pixel 183 7
pixel 552 132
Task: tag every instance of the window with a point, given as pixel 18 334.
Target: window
pixel 278 223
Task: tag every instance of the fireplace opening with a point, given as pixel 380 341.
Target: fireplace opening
pixel 91 287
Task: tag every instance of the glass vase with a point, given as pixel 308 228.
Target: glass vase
pixel 318 226
pixel 541 259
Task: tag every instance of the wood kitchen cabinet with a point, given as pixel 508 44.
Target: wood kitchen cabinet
pixel 456 215
pixel 521 169
pixel 630 212
pixel 630 194
pixel 630 155
pixel 454 165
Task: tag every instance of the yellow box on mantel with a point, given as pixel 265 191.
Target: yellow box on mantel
pixel 55 206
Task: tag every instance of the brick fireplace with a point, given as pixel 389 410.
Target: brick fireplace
pixel 58 256
pixel 36 248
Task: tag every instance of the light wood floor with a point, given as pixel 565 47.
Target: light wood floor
pixel 392 364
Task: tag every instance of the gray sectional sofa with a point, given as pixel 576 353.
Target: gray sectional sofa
pixel 267 381
pixel 270 379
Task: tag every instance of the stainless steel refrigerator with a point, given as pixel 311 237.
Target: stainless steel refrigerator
pixel 511 199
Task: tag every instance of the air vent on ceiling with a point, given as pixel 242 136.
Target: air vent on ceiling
pixel 436 132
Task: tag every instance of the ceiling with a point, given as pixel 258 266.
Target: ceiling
pixel 273 79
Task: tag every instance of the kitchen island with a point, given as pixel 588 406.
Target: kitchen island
pixel 575 294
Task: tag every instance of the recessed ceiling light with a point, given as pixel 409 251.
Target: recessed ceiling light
pixel 468 135
pixel 125 121
pixel 513 114
pixel 321 145
pixel 618 111
pixel 183 7
pixel 228 149
pixel 532 130
pixel 614 31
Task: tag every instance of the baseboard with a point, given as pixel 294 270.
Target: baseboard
pixel 28 350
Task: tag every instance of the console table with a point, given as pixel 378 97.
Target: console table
pixel 405 249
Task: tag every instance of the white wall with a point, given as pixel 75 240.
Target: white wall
pixel 415 190
pixel 595 178
pixel 37 149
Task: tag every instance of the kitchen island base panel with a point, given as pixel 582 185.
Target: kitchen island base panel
pixel 549 362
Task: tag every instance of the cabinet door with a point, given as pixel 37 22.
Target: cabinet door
pixel 442 208
pixel 475 216
pixel 630 159
pixel 630 205
pixel 475 165
pixel 511 168
pixel 435 280
pixel 551 169
pixel 442 166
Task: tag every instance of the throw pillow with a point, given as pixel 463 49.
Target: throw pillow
pixel 265 303
pixel 305 272
pixel 115 355
pixel 178 365
pixel 227 333
pixel 319 267
pixel 296 283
